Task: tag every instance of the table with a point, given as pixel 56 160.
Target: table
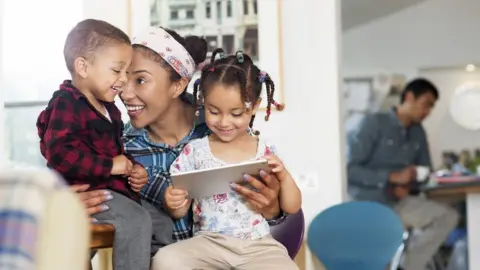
pixel 471 192
pixel 102 236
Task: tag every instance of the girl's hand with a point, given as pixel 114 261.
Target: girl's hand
pixel 175 198
pixel 276 164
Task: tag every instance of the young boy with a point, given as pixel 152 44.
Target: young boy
pixel 80 136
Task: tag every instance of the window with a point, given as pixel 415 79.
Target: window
pixel 255 8
pixel 208 10
pixel 211 42
pixel 26 88
pixel 229 8
pixel 250 43
pixel 190 14
pixel 228 42
pixel 245 7
pixel 173 14
pixel 219 12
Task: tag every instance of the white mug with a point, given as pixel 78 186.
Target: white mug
pixel 422 173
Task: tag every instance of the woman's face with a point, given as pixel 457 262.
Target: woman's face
pixel 149 91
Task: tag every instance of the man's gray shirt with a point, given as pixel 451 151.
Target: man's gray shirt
pixel 380 145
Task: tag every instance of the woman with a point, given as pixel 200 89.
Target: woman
pixel 163 120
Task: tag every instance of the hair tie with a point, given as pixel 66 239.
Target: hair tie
pixel 212 69
pixel 197 82
pixel 262 76
pixel 239 56
pixel 267 116
pixel 279 106
pixel 219 56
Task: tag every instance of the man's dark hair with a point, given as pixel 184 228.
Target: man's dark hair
pixel 419 87
pixel 87 37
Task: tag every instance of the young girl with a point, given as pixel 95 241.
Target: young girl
pixel 228 232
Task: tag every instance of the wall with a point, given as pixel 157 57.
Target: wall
pixel 429 34
pixel 434 33
pixel 2 130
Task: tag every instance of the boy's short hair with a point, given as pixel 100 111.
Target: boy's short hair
pixel 88 36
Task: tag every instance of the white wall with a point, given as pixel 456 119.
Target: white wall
pixel 112 11
pixel 430 34
pixel 2 130
pixel 434 33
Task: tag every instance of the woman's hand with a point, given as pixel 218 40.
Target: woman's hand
pixel 265 199
pixel 92 200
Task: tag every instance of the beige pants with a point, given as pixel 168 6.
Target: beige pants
pixel 215 251
pixel 434 220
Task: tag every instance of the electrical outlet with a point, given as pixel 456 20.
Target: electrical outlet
pixel 308 182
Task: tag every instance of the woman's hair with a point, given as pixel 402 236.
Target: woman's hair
pixel 237 69
pixel 196 46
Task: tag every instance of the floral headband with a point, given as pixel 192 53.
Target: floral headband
pixel 161 42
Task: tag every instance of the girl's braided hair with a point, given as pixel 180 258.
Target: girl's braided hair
pixel 237 69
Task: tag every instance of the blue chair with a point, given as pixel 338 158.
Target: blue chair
pixel 356 235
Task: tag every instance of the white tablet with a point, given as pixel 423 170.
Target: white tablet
pixel 209 182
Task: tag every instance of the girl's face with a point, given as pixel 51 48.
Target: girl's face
pixel 225 112
pixel 149 91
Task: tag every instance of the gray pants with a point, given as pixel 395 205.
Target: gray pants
pixel 162 227
pixel 435 220
pixel 133 231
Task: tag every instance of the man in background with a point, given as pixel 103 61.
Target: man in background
pixel 383 154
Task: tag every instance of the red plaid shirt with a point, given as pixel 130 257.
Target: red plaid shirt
pixel 80 143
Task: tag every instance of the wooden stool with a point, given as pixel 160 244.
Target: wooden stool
pixel 102 236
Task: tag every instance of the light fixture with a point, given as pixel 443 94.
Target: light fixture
pixel 470 68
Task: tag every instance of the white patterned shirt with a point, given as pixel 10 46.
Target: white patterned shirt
pixel 228 214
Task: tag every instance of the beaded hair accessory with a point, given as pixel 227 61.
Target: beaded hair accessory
pixel 262 76
pixel 239 56
pixel 219 56
pixel 195 84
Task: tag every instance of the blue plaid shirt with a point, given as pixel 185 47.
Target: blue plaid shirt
pixel 157 158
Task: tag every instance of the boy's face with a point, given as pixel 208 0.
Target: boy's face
pixel 107 72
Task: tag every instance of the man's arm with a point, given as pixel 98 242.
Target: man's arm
pixel 422 157
pixel 361 145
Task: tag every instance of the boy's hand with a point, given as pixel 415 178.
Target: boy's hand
pixel 175 198
pixel 277 165
pixel 121 166
pixel 138 178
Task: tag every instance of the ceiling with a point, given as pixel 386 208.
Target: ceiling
pixel 358 12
